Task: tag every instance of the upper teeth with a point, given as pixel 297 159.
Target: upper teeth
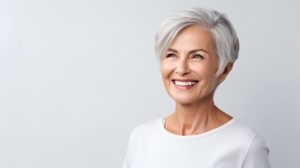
pixel 184 83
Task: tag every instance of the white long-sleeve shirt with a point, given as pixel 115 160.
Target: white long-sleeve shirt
pixel 232 145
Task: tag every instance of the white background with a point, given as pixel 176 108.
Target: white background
pixel 77 75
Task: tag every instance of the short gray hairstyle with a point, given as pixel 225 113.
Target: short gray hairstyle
pixel 225 37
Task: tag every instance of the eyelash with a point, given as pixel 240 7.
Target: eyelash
pixel 194 56
pixel 198 55
pixel 170 55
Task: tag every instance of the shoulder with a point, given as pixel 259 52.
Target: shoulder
pixel 240 135
pixel 253 144
pixel 146 129
pixel 257 153
pixel 241 131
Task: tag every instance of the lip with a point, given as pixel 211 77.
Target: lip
pixel 184 80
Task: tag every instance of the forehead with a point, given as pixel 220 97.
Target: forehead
pixel 193 37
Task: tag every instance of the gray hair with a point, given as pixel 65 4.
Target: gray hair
pixel 225 37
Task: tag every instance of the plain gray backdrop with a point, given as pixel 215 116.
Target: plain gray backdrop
pixel 76 76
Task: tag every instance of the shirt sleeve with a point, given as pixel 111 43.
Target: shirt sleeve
pixel 129 153
pixel 258 154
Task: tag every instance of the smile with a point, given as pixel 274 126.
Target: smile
pixel 184 84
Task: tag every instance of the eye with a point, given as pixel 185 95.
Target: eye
pixel 198 56
pixel 170 55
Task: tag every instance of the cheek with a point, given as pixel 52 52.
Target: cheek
pixel 204 88
pixel 166 70
pixel 207 85
pixel 204 70
pixel 207 80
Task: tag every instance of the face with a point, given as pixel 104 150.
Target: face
pixel 189 65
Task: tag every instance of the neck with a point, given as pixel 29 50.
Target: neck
pixel 196 118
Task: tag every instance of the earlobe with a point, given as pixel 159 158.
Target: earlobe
pixel 226 71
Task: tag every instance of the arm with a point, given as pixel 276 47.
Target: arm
pixel 257 156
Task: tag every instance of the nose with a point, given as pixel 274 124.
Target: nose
pixel 182 67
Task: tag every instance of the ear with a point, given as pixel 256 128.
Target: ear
pixel 226 71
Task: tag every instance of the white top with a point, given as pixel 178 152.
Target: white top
pixel 232 145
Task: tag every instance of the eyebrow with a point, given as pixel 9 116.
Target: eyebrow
pixel 192 51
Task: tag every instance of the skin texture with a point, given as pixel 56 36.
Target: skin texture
pixel 193 56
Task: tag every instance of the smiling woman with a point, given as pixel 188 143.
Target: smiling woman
pixel 189 67
pixel 197 49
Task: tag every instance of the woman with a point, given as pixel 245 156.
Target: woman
pixel 197 49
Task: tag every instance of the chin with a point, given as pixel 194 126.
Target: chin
pixel 183 100
pixel 187 99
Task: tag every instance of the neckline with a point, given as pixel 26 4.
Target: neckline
pixel 212 131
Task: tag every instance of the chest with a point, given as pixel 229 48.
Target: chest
pixel 188 154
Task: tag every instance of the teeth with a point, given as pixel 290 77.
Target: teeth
pixel 184 83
